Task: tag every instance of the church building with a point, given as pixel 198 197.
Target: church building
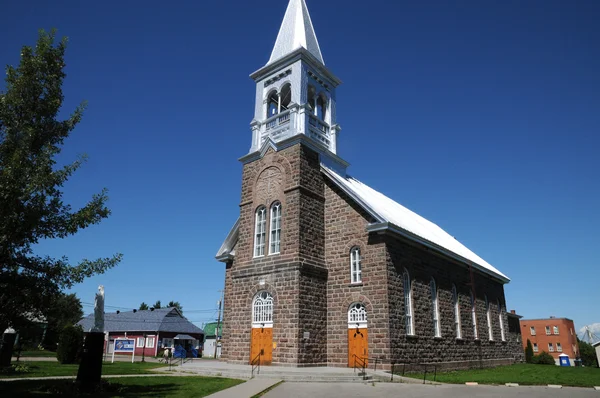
pixel 321 269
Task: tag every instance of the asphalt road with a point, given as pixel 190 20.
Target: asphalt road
pixel 358 390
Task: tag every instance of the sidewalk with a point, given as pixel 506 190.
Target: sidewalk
pixel 247 389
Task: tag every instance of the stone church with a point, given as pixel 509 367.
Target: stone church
pixel 321 269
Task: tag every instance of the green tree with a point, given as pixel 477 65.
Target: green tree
pixel 31 197
pixel 528 352
pixel 143 306
pixel 65 310
pixel 175 304
pixel 156 305
pixel 70 344
pixel 587 353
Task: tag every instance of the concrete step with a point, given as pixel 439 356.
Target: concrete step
pixel 287 376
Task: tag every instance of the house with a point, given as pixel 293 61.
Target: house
pixel 323 270
pixel 152 329
pixel 596 346
pixel 210 339
pixel 554 335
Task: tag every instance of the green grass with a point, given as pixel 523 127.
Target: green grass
pixel 44 369
pixel 162 386
pixel 36 353
pixel 524 374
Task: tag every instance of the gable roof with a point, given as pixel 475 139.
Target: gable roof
pixel 392 215
pixel 296 31
pixel 159 320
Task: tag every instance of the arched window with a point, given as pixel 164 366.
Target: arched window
pixel 408 318
pixel 474 317
pixel 489 318
pixel 272 104
pixel 321 107
pixel 357 316
pixel 260 231
pixel 501 321
pixel 275 236
pixel 262 310
pixel 456 306
pixel 311 99
pixel 355 266
pixel 435 309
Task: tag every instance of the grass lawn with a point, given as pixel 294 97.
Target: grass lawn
pixel 163 386
pixel 525 374
pixel 45 354
pixel 43 369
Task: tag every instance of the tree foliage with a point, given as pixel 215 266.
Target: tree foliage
pixel 70 344
pixel 143 306
pixel 31 197
pixel 543 359
pixel 65 310
pixel 156 305
pixel 587 353
pixel 175 304
pixel 528 352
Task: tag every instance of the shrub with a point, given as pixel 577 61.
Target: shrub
pixel 70 343
pixel 528 352
pixel 543 359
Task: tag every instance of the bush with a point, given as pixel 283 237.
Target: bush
pixel 528 352
pixel 543 359
pixel 70 343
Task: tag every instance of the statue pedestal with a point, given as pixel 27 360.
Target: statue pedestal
pixel 90 369
pixel 6 350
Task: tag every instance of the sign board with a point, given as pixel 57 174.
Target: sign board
pixel 124 345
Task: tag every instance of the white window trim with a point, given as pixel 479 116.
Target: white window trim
pixel 489 319
pixel 456 302
pixel 535 347
pixel 263 302
pixel 548 331
pixel 275 230
pixel 555 330
pixel 150 341
pixel 139 342
pixel 474 317
pixel 437 332
pixel 408 307
pixel 501 322
pixel 558 347
pixel 550 347
pixel 260 232
pixel 357 316
pixel 532 330
pixel 355 265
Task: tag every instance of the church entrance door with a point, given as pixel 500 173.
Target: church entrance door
pixel 358 346
pixel 262 343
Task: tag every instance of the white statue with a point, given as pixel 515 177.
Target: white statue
pixel 99 311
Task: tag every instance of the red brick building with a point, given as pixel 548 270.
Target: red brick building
pixel 556 336
pixel 322 270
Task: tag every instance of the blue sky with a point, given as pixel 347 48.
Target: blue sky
pixel 482 116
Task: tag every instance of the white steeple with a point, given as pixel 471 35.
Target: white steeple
pixel 296 31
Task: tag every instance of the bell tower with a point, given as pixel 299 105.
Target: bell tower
pixel 295 92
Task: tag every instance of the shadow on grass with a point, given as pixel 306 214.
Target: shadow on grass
pixel 68 388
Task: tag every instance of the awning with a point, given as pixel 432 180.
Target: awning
pixel 184 337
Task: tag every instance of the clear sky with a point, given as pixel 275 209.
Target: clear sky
pixel 482 116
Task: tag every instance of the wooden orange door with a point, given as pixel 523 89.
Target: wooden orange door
pixel 358 344
pixel 262 343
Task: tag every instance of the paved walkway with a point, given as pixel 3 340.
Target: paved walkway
pixel 247 389
pixel 380 390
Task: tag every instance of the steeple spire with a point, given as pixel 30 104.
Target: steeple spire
pixel 296 31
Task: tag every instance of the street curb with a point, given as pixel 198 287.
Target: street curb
pixel 597 388
pixel 512 384
pixel 554 386
pixel 471 383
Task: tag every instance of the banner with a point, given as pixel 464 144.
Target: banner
pixel 124 345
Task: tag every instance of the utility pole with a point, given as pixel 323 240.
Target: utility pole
pixel 218 324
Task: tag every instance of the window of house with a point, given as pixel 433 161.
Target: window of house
pixel 532 331
pixel 456 306
pixel 550 347
pixel 535 347
pixel 558 347
pixel 501 321
pixel 167 342
pixel 140 342
pixel 355 266
pixel 547 330
pixel 149 342
pixel 357 316
pixel 555 329
pixel 571 331
pixel 260 232
pixel 435 309
pixel 262 310
pixel 489 319
pixel 474 317
pixel 275 239
pixel 408 318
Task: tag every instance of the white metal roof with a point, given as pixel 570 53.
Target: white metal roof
pixel 296 31
pixel 386 210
